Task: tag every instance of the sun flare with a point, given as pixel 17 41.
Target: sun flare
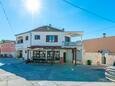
pixel 32 6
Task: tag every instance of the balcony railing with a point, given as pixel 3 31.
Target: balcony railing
pixel 72 44
pixel 69 43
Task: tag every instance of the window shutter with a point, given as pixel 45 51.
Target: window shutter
pixel 56 39
pixel 47 38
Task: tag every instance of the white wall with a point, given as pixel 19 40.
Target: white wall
pixel 42 40
pixel 25 44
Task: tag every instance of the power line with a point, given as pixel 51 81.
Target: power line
pixel 83 9
pixel 6 16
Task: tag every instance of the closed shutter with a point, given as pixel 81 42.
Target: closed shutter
pixel 47 38
pixel 56 39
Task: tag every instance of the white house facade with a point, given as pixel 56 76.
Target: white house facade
pixel 47 44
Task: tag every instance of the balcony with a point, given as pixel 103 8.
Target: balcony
pixel 72 44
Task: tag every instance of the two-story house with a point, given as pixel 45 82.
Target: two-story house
pixel 47 43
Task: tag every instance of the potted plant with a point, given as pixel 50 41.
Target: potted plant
pixel 89 62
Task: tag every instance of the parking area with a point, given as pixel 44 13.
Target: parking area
pixel 53 72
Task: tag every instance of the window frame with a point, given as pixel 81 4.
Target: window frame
pixel 37 37
pixel 27 38
pixel 52 38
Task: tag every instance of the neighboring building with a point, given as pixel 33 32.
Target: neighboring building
pixel 47 43
pixel 7 48
pixel 100 51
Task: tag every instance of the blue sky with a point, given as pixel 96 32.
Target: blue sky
pixel 60 15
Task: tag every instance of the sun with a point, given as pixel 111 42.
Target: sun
pixel 32 6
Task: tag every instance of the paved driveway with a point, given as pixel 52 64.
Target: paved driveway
pixel 55 72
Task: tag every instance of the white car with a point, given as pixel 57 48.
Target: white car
pixel 110 73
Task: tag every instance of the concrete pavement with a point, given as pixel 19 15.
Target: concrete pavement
pixel 9 79
pixel 11 68
pixel 69 83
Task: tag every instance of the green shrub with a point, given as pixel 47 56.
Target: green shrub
pixel 89 62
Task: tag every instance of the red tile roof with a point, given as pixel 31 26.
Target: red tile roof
pixel 95 45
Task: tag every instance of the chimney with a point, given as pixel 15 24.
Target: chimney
pixel 63 29
pixel 50 25
pixel 104 35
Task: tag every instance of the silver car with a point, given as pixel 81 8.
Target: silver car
pixel 110 73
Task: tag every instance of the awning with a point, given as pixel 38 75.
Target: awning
pixel 46 47
pixel 74 33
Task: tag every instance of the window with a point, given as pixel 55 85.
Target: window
pixel 51 38
pixel 67 39
pixel 37 37
pixel 26 38
pixel 39 54
pixel 19 41
pixel 25 51
pixel 55 55
pixel 20 54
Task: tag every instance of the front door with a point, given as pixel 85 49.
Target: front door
pixel 104 60
pixel 64 56
pixel 20 54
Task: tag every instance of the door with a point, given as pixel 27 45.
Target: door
pixel 104 60
pixel 64 56
pixel 20 54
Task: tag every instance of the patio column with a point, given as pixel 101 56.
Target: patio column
pixel 81 38
pixel 82 49
pixel 74 60
pixel 75 55
pixel 27 54
pixel 46 55
pixel 31 55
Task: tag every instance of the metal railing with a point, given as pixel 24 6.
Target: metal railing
pixel 72 44
pixel 110 73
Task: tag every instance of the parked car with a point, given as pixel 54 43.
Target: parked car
pixel 110 73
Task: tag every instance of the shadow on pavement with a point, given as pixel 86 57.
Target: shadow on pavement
pixel 54 72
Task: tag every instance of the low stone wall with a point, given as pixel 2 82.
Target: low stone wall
pixel 110 59
pixel 96 58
